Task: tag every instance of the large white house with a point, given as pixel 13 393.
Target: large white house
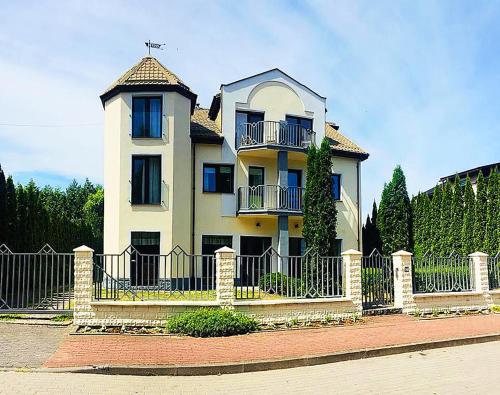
pixel 234 174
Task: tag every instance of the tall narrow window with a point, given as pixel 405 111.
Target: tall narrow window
pixel 146 180
pixel 336 186
pixel 146 117
pixel 218 178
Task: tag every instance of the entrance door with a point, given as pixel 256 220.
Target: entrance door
pixel 210 244
pixel 294 195
pixel 252 265
pixel 144 261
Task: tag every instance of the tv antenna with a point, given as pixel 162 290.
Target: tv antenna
pixel 150 45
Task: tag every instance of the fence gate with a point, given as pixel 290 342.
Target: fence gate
pixel 36 282
pixel 377 281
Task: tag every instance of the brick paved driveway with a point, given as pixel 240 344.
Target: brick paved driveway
pixel 471 369
pixel 28 345
pixel 85 350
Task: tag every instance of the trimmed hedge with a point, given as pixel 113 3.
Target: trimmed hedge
pixel 211 323
pixel 280 284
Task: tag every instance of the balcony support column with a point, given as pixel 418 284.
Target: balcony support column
pixel 283 243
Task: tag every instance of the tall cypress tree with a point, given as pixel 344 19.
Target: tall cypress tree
pixel 320 211
pixel 3 207
pixel 394 215
pixel 444 235
pixel 367 237
pixel 492 214
pixel 457 216
pixel 425 224
pixel 435 219
pixel 11 212
pixel 375 232
pixel 480 213
pixel 468 219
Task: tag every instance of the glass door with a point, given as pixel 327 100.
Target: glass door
pixel 256 188
pixel 294 191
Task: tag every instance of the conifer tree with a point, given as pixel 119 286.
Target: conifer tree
pixel 3 207
pixel 394 215
pixel 425 224
pixel 375 232
pixel 435 219
pixel 11 212
pixel 457 216
pixel 492 213
pixel 320 211
pixel 367 238
pixel 444 235
pixel 480 213
pixel 468 219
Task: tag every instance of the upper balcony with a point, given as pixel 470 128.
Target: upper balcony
pixel 277 135
pixel 270 199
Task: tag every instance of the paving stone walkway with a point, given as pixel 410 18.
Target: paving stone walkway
pixel 28 346
pixel 375 332
pixel 471 369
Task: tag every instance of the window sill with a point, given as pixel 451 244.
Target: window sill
pixel 146 138
pixel 146 204
pixel 218 193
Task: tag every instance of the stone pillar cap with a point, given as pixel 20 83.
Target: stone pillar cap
pixel 402 253
pixel 225 249
pixel 478 253
pixel 83 248
pixel 351 252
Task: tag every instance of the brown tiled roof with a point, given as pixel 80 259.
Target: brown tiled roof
pixel 148 71
pixel 342 144
pixel 204 129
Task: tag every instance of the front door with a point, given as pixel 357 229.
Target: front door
pixel 252 265
pixel 294 191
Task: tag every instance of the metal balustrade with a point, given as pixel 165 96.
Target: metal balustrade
pixel 36 282
pixel 272 276
pixel 270 198
pixel 453 273
pixel 274 133
pixel 135 276
pixel 494 271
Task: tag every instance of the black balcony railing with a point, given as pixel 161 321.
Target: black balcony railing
pixel 270 198
pixel 274 133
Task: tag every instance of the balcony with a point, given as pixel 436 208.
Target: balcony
pixel 274 135
pixel 270 199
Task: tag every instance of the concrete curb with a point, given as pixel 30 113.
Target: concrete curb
pixel 255 366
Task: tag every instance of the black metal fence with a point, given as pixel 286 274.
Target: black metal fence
pixel 36 282
pixel 453 273
pixel 494 271
pixel 271 276
pixel 377 280
pixel 132 275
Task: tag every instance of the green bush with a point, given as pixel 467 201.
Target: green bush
pixel 211 323
pixel 280 284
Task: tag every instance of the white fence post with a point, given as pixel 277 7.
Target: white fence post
pixel 479 267
pixel 225 269
pixel 352 262
pixel 403 281
pixel 83 285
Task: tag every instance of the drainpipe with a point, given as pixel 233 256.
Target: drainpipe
pixel 193 204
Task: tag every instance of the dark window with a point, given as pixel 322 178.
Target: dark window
pixel 210 244
pixel 255 176
pixel 306 123
pixel 243 128
pixel 218 178
pixel 146 179
pixel 336 248
pixel 144 261
pixel 146 117
pixel 336 186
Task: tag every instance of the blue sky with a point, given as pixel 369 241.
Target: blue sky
pixel 414 83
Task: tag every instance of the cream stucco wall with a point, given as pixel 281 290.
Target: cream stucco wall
pixel 120 216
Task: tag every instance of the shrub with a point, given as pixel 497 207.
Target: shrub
pixel 280 284
pixel 211 323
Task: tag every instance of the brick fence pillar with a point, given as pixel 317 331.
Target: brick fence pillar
pixel 479 266
pixel 225 269
pixel 83 285
pixel 403 281
pixel 352 262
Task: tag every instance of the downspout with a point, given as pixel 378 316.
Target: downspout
pixel 193 196
pixel 358 198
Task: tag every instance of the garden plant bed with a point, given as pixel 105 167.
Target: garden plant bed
pixel 162 331
pixel 435 314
